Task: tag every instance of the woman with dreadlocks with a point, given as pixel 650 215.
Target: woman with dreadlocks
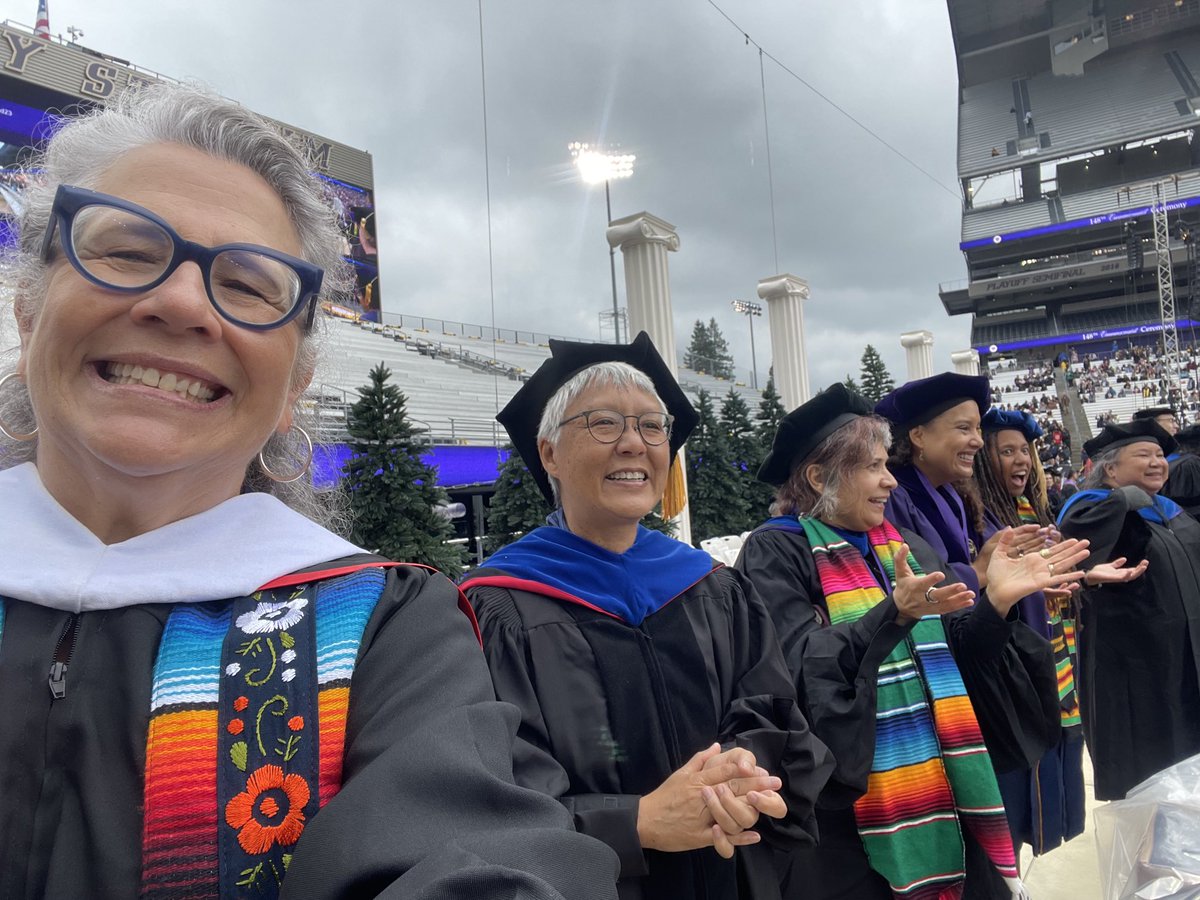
pixel 1044 801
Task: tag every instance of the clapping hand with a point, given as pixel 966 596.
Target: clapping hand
pixel 915 595
pixel 1115 572
pixel 1012 576
pixel 710 801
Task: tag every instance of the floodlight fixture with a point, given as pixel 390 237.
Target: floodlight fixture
pixel 598 167
pixel 750 309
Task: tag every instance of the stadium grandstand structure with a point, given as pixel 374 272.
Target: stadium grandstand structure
pixel 1074 119
pixel 455 376
pixel 43 80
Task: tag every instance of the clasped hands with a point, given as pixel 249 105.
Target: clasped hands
pixel 711 801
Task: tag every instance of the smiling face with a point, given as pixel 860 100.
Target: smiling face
pixel 1011 459
pixel 606 489
pixel 944 448
pixel 863 493
pixel 157 383
pixel 1141 464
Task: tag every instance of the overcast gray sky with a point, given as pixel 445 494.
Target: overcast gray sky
pixel 669 80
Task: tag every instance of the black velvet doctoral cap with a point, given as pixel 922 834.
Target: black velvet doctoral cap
pixel 523 413
pixel 923 400
pixel 803 429
pixel 1152 412
pixel 1114 436
pixel 1189 436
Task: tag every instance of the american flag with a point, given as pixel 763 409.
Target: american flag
pixel 42 28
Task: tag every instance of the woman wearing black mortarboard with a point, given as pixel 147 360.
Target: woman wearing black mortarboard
pixel 655 702
pixel 1183 478
pixel 859 608
pixel 1139 641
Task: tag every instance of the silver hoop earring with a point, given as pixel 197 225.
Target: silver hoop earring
pixel 7 429
pixel 288 479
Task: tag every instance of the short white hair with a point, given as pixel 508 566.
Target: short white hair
pixel 604 374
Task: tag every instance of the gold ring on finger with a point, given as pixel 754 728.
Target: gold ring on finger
pixel 1050 566
pixel 1044 553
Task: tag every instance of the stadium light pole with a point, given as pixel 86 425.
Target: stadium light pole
pixel 750 310
pixel 595 166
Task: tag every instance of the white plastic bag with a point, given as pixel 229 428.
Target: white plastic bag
pixel 1149 843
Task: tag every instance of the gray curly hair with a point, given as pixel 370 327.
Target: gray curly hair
pixel 84 148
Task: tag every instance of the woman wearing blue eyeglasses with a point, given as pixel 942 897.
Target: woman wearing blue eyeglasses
pixel 206 693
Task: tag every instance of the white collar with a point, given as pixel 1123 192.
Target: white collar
pixel 49 558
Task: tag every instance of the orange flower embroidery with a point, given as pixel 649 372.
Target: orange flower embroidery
pixel 270 811
pixel 241 703
pixel 235 726
pixel 296 723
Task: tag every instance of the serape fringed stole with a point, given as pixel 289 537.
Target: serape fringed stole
pixel 247 730
pixel 1062 638
pixel 931 775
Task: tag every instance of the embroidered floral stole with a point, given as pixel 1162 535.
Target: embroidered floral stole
pixel 1062 638
pixel 931 775
pixel 247 728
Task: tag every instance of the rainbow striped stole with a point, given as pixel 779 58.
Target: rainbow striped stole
pixel 1062 644
pixel 247 729
pixel 931 775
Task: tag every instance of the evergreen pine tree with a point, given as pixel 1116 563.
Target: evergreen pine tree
pixel 699 354
pixel 392 493
pixel 714 507
pixel 722 359
pixel 516 507
pixel 874 377
pixel 770 413
pixel 851 384
pixel 746 455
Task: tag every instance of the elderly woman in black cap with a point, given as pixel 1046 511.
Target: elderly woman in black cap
pixel 1139 642
pixel 655 702
pixel 859 606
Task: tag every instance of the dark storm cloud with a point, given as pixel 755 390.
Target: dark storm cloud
pixel 671 81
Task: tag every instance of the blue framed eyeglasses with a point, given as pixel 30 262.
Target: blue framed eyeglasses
pixel 120 246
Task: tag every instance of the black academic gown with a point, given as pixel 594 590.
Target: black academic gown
pixel 1139 642
pixel 836 668
pixel 609 710
pixel 428 808
pixel 1183 483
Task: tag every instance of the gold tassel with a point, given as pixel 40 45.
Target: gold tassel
pixel 675 496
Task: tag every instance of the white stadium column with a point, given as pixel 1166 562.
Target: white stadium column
pixel 965 362
pixel 918 348
pixel 785 296
pixel 645 241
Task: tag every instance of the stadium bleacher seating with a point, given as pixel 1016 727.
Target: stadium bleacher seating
pixel 452 385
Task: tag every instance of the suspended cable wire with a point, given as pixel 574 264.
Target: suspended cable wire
pixel 764 52
pixel 487 180
pixel 770 172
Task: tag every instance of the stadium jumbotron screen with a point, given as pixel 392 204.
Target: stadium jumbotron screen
pixel 43 78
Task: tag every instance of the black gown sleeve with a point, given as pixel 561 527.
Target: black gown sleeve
pixel 1009 673
pixel 611 818
pixel 762 715
pixel 1103 523
pixel 835 667
pixel 428 806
